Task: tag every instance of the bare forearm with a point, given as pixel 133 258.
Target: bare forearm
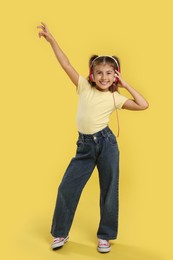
pixel 60 55
pixel 141 102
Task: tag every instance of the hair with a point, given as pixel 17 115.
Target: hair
pixel 96 60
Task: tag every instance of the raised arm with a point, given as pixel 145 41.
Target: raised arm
pixel 60 55
pixel 138 102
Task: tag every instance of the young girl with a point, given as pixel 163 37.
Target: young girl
pixel 96 145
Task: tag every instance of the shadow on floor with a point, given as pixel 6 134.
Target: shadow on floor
pixel 73 248
pixel 119 251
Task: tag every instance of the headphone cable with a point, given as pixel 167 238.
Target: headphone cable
pixel 118 123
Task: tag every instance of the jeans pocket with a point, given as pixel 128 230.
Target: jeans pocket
pixel 112 139
pixel 79 144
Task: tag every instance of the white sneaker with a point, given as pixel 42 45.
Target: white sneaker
pixel 59 242
pixel 103 246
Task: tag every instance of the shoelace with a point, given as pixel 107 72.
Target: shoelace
pixel 58 239
pixel 103 242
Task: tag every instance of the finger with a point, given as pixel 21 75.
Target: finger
pixel 40 27
pixel 40 34
pixel 44 34
pixel 45 28
pixel 44 25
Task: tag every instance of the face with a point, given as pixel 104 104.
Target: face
pixel 104 76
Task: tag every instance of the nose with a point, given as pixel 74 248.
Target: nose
pixel 104 76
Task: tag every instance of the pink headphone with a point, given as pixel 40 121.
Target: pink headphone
pixel 91 77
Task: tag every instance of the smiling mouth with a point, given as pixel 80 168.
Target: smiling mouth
pixel 104 83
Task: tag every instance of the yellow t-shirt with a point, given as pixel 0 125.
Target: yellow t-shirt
pixel 95 107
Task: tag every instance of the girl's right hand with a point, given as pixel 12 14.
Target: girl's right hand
pixel 45 32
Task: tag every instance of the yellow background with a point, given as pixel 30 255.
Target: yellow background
pixel 38 132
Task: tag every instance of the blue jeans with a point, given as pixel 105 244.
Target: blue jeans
pixel 101 150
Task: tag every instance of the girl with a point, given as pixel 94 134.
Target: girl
pixel 96 145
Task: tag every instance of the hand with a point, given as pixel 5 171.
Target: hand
pixel 138 102
pixel 121 82
pixel 45 32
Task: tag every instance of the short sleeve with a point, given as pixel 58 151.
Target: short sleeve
pixel 119 100
pixel 82 84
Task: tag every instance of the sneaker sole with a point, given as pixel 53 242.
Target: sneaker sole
pixel 104 250
pixel 60 244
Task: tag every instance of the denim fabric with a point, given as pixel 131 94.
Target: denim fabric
pixel 101 150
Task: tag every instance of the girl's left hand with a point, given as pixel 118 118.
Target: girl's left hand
pixel 45 32
pixel 121 82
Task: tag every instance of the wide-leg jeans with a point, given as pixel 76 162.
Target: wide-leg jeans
pixel 101 150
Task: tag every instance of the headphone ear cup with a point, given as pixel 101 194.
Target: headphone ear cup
pixel 91 77
pixel 116 78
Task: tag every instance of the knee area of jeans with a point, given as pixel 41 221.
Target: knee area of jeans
pixel 62 190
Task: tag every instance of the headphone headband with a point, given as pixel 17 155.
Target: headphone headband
pixel 102 57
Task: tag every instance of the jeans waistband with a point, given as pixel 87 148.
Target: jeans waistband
pixel 104 132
